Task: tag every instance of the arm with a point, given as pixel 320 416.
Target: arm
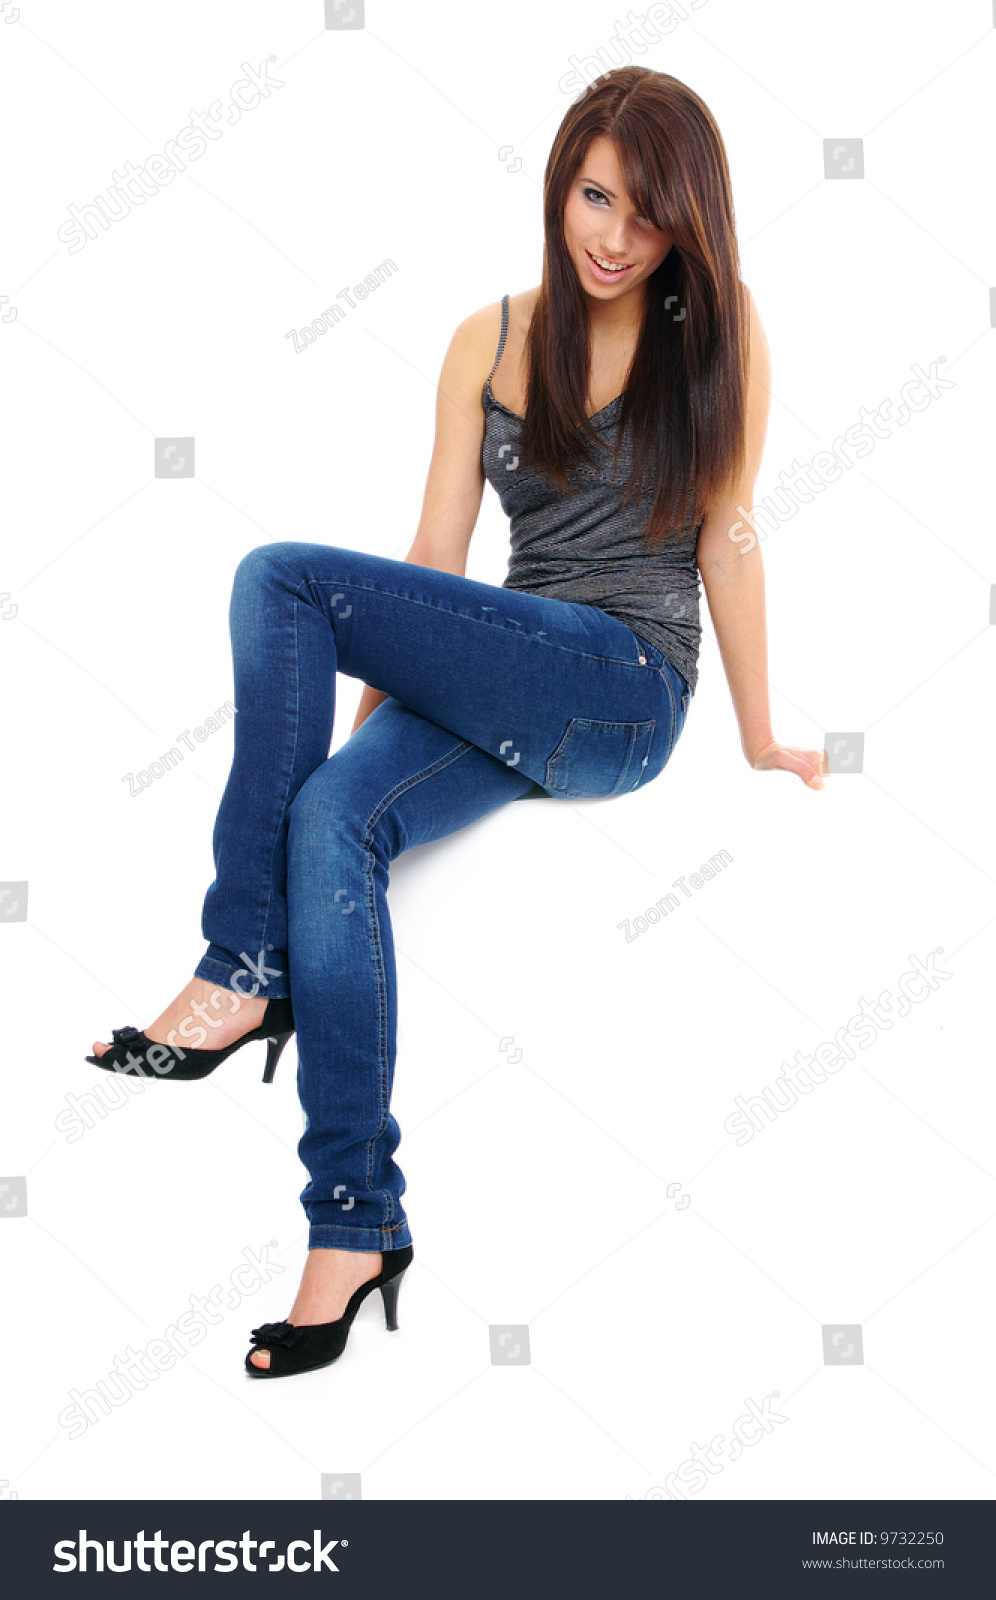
pixel 455 483
pixel 733 579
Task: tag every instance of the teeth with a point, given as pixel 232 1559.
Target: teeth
pixel 607 266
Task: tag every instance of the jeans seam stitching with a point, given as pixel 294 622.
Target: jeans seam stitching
pixel 282 823
pixel 416 777
pixel 642 724
pixel 378 950
pixel 380 982
pixel 629 761
pixel 267 888
pixel 373 588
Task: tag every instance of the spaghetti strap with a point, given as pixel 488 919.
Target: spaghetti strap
pixel 504 331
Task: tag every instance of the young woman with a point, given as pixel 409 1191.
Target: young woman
pixel 619 410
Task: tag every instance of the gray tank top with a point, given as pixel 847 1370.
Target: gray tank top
pixel 581 546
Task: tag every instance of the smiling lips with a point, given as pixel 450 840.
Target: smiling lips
pixel 605 270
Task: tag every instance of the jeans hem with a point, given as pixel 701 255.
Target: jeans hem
pixel 222 972
pixel 333 1236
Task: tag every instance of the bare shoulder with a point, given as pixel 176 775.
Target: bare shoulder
pixel 520 308
pixel 476 337
pixel 475 346
pixel 760 353
pixel 468 360
pixel 478 333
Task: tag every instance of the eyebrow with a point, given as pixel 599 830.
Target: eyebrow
pixel 601 186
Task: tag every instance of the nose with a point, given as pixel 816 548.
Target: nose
pixel 615 244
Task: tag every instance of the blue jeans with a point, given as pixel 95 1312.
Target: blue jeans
pixel 494 695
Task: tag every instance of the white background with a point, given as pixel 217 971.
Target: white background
pixel 537 1188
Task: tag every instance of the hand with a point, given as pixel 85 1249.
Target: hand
pixel 810 765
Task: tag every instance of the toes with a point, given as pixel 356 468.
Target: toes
pixel 100 1049
pixel 260 1358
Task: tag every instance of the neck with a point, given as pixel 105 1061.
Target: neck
pixel 617 321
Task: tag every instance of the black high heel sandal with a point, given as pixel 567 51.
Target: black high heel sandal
pixel 302 1349
pixel 276 1028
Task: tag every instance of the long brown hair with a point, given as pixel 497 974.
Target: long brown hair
pixel 687 383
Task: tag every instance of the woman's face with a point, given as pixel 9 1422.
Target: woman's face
pixel 601 223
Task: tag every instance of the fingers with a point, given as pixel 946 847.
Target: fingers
pixel 810 765
pixel 806 764
pixel 806 772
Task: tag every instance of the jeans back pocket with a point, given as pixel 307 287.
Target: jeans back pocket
pixel 596 759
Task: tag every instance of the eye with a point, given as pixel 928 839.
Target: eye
pixel 589 190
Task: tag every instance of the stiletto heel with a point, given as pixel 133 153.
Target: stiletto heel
pixel 132 1052
pixel 274 1049
pixel 389 1294
pixel 294 1348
